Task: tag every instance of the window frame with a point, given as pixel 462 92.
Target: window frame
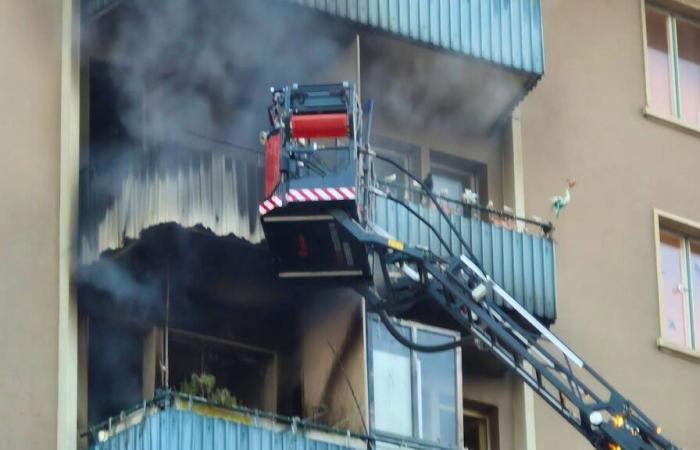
pixel 409 151
pixel 674 14
pixel 687 230
pixel 484 427
pixel 414 328
pixel 473 174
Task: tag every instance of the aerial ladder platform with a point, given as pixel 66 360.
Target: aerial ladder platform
pixel 317 218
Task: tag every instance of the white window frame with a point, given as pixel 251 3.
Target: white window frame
pixel 672 38
pixel 484 427
pixel 409 152
pixel 414 328
pixel 686 230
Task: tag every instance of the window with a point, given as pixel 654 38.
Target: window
pixel 678 260
pixel 673 65
pixel 480 426
pixel 680 276
pixel 451 176
pixel 449 186
pixel 246 371
pixel 476 431
pixel 389 177
pixel 413 395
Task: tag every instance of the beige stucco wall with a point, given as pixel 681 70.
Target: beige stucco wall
pixel 584 120
pixel 497 392
pixel 30 51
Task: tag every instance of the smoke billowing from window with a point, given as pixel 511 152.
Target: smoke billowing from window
pixel 205 66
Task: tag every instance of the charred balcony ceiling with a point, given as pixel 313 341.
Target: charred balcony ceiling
pixel 189 265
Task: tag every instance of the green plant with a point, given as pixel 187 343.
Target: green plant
pixel 204 385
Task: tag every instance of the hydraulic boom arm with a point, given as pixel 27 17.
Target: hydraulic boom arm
pixel 317 218
pixel 569 385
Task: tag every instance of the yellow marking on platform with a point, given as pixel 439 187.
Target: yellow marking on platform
pixel 396 245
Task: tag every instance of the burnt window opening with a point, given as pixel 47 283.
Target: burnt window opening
pixel 212 300
pixel 248 372
pixel 130 362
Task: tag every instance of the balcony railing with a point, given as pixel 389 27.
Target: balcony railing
pixel 516 252
pixel 175 421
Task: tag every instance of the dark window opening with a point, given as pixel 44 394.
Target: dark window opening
pixel 114 369
pixel 247 372
pixel 480 422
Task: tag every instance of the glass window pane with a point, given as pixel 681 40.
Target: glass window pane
pixel 437 387
pixel 695 275
pixel 389 177
pixel 450 186
pixel 391 381
pixel 674 299
pixel 689 70
pixel 447 186
pixel 657 59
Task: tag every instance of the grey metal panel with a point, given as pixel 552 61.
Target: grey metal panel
pixel 503 32
pixel 95 7
pixel 213 189
pixel 522 263
pixel 173 429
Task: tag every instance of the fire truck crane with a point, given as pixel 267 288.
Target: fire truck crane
pixel 318 221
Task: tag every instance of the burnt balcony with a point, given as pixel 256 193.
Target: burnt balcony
pixel 219 190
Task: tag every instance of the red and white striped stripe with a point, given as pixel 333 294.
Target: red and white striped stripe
pixel 308 195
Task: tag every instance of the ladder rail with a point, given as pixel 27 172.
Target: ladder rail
pixel 645 420
pixel 446 282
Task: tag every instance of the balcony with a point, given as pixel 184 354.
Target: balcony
pixel 126 193
pixel 508 34
pixel 173 421
pixel 518 255
pixel 465 62
pixel 472 60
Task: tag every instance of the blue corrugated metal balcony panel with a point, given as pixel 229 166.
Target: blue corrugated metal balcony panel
pixel 177 422
pixel 174 429
pixel 522 262
pixel 503 32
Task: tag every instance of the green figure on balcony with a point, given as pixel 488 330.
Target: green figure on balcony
pixel 559 202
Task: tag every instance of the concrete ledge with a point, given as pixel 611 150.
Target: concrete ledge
pixel 673 122
pixel 673 349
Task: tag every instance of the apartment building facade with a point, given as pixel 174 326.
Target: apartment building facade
pixel 133 175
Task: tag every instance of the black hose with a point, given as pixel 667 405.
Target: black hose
pixel 386 320
pixel 437 205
